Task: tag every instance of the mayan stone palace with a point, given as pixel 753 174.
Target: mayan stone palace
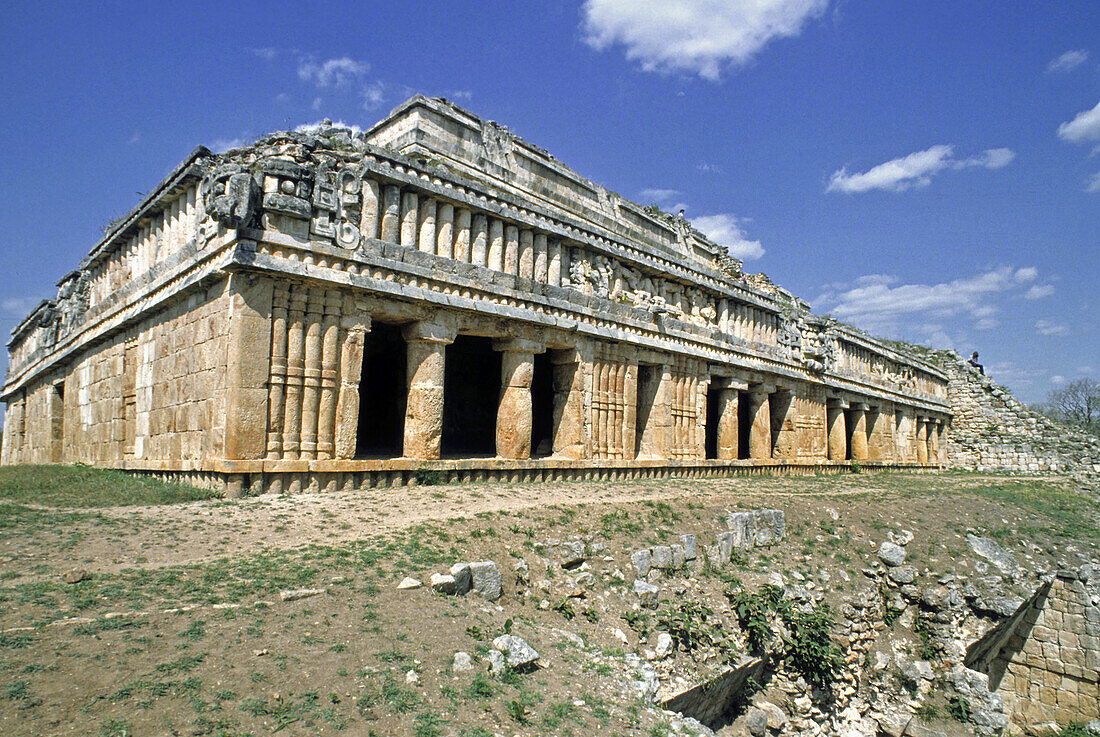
pixel 333 309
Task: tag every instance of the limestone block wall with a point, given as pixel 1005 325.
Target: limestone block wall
pixel 1045 659
pixel 993 431
pixel 151 392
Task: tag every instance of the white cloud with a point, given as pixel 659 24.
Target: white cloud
pixel 694 36
pixel 725 230
pixel 879 304
pixel 319 124
pixel 266 53
pixel 331 72
pixel 1039 291
pixel 914 170
pixel 221 145
pixel 1068 61
pixel 706 168
pixel 1085 126
pixel 1051 327
pixel 1057 380
pixel 18 307
pixel 660 195
pixel 1093 183
pixel 374 94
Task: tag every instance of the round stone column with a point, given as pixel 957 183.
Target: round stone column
pixel 859 431
pixel 837 429
pixel 426 346
pixel 760 432
pixel 514 413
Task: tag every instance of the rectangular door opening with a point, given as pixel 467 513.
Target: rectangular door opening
pixel 471 394
pixel 714 411
pixel 542 406
pixel 382 393
pixel 744 424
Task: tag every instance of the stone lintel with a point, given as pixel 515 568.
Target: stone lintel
pixel 837 402
pixel 519 345
pixel 428 332
pixel 860 406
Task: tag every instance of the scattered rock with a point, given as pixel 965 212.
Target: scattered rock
pixel 901 537
pixel 485 577
pixel 891 554
pixel 295 594
pixel 408 583
pixel 756 721
pixel 412 678
pixel 777 718
pixel 76 576
pixel 902 574
pixel 994 553
pixel 518 654
pixel 463 580
pixel 462 662
pixel 664 646
pixel 647 593
pixel 642 562
pixel 443 583
pixel 496 662
pixel 690 547
pixel 662 558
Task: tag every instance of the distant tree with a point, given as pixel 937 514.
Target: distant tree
pixel 1078 403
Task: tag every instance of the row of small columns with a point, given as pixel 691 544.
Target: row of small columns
pixel 926 442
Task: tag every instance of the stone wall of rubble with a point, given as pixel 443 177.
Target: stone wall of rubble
pixel 993 431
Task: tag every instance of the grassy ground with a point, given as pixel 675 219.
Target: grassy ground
pixel 179 627
pixel 84 486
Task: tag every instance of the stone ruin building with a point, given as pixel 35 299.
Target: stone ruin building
pixel 333 309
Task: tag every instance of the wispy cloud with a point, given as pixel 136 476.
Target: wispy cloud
pixel 221 145
pixel 915 170
pixel 331 72
pixel 725 230
pixel 1093 183
pixel 319 124
pixel 1039 291
pixel 17 307
pixel 1051 327
pixel 1085 126
pixel 722 228
pixel 706 168
pixel 881 305
pixel 374 95
pixel 267 53
pixel 661 196
pixel 1068 61
pixel 694 36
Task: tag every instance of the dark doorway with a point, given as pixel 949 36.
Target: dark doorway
pixel 714 410
pixel 382 393
pixel 649 381
pixel 57 423
pixel 849 428
pixel 744 423
pixel 471 393
pixel 542 406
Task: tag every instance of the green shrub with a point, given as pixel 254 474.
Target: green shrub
pixel 959 709
pixel 809 650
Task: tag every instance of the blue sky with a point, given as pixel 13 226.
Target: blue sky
pixel 927 171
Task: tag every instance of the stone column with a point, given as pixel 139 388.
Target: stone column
pixel 496 245
pixel 369 220
pixel 479 240
pixel 784 410
pixel 727 424
pixel 541 267
pixel 760 432
pixel 249 366
pixel 463 221
pixel 410 219
pixel 553 262
pixel 444 230
pixel 426 237
pixel 514 410
pixel 526 254
pixel 511 249
pixel 391 213
pixel 859 431
pixel 921 440
pixel 295 374
pixel 568 380
pixel 277 386
pixel 837 429
pixel 426 345
pixel 311 383
pixel 351 371
pixel 630 411
pixel 929 440
pixel 330 373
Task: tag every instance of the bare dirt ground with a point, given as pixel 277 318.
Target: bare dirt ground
pixel 178 626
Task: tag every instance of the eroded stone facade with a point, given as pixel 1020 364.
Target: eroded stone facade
pixel 332 309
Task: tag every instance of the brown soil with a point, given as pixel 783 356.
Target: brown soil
pixel 239 660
